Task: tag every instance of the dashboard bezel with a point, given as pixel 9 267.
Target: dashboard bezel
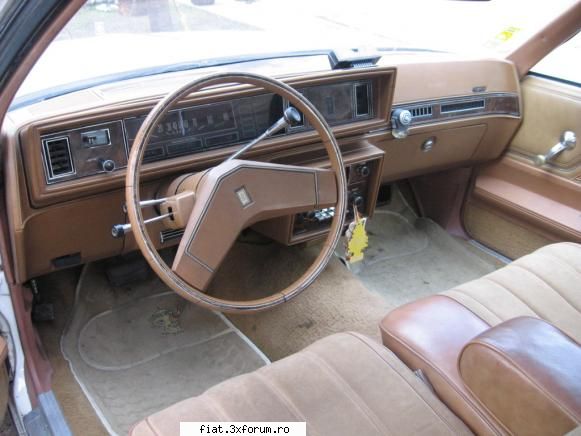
pixel 43 194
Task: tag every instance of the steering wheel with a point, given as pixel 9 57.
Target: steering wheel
pixel 234 195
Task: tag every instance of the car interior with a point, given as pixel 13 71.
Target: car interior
pixel 373 244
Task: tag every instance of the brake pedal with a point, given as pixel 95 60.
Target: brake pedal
pixel 43 312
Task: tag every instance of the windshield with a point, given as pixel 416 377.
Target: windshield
pixel 110 37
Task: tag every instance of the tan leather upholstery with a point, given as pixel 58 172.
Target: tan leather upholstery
pixel 429 334
pixel 545 284
pixel 345 384
pixel 527 373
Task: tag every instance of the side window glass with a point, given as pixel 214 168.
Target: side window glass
pixel 563 63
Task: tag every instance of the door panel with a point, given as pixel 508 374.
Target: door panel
pixel 516 207
pixel 549 108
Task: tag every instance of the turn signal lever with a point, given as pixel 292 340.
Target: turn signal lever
pixel 568 142
pixel 120 230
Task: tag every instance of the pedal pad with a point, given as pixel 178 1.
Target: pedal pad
pixel 126 270
pixel 42 312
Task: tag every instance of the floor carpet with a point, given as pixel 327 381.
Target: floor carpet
pixel 410 257
pixel 58 289
pixel 141 348
pixel 337 301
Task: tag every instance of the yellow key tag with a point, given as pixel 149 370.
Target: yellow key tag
pixel 356 238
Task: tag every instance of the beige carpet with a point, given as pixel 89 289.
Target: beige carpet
pixel 141 348
pixel 410 257
pixel 336 302
pixel 129 373
pixel 59 289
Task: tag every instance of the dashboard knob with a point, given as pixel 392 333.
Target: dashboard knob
pixel 405 117
pixel 400 121
pixel 107 165
pixel 358 200
pixel 363 171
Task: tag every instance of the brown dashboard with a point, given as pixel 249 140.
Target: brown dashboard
pixel 104 148
pixel 65 163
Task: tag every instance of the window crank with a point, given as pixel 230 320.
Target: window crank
pixel 568 142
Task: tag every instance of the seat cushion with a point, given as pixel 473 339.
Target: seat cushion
pixel 344 384
pixel 545 284
pixel 429 334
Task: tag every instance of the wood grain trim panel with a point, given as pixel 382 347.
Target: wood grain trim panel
pixel 495 104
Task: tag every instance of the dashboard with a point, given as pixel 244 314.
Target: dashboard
pixel 66 157
pixel 102 148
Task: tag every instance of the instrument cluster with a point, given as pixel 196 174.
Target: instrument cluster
pixel 86 151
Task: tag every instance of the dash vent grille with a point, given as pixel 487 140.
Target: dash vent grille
pixel 421 111
pixel 59 162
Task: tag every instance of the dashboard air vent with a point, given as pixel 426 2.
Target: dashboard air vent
pixel 462 106
pixel 421 111
pixel 59 162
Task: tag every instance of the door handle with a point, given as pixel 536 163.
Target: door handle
pixel 568 142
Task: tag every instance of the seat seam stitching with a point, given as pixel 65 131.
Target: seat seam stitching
pixel 515 296
pixel 563 260
pixel 440 373
pixel 548 285
pixel 348 390
pixel 473 407
pixel 465 293
pixel 286 401
pixel 415 391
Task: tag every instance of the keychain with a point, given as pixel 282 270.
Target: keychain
pixel 356 238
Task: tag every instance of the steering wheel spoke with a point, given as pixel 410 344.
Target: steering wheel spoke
pixel 237 194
